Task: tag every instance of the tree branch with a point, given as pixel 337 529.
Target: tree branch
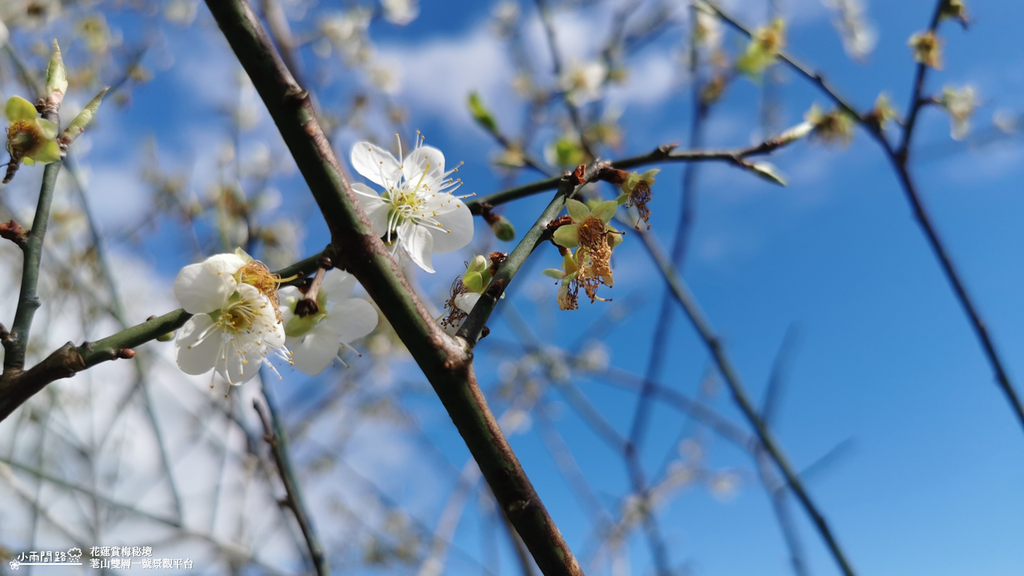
pixel 659 155
pixel 445 362
pixel 732 379
pixel 16 342
pixel 898 157
pixel 275 436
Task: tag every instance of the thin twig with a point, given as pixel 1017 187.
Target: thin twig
pixel 556 59
pixel 274 435
pixel 731 377
pixel 661 154
pixel 898 157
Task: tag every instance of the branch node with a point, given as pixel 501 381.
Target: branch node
pixel 125 353
pixel 14 232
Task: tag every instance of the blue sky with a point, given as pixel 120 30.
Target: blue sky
pixel 885 358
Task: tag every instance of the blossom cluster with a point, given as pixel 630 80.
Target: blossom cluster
pixel 240 317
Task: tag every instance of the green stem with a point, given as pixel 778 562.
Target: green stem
pixel 16 387
pixel 16 343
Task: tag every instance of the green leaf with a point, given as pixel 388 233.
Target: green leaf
pixel 481 114
pixel 84 118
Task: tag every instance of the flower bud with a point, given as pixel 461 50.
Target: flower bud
pixel 473 281
pixel 614 239
pixel 503 229
pixel 166 337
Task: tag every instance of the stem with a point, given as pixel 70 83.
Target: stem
pixel 658 155
pixel 16 387
pixel 473 327
pixel 276 437
pixel 446 363
pixel 16 343
pixel 732 379
pixel 898 157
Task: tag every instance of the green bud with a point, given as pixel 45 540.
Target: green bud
pixel 474 282
pixel 56 78
pixel 481 114
pixel 84 118
pixel 766 171
pixel 503 229
pixel 614 239
pixel 477 264
pixel 165 337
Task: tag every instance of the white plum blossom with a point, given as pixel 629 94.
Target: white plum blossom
pixel 583 82
pixel 400 12
pixel 315 338
pixel 416 210
pixel 462 305
pixel 234 324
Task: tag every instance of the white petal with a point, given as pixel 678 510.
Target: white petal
pixel 200 290
pixel 195 357
pixel 240 363
pixel 351 319
pixel 418 244
pixel 465 302
pixel 338 285
pixel 456 231
pixel 316 350
pixel 425 162
pixel 375 164
pixel 274 337
pixel 375 207
pixel 223 264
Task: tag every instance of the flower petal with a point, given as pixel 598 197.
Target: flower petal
pixel 338 285
pixel 466 302
pixel 192 356
pixel 223 264
pixel 376 164
pixel 50 152
pixel 239 364
pixel 455 232
pixel 375 207
pixel 418 243
pixel 567 236
pixel 200 291
pixel 426 163
pixel 351 320
pixel 577 210
pixel 48 129
pixel 316 350
pixel 605 210
pixel 18 109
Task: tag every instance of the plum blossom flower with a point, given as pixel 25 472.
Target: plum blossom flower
pixel 589 231
pixel 465 293
pixel 30 139
pixel 960 104
pixel 315 333
pixel 234 324
pixel 417 207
